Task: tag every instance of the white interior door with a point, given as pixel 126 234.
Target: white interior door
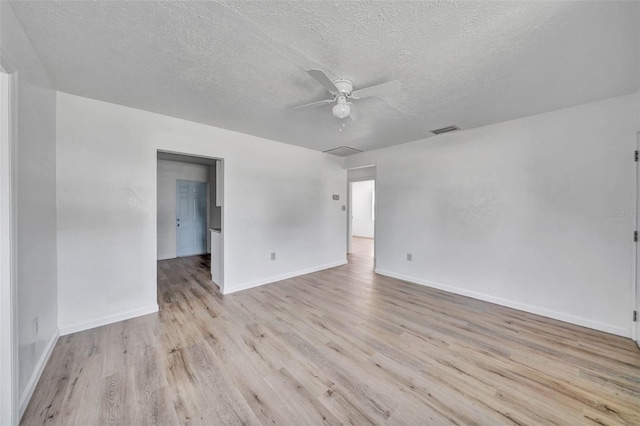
pixel 191 218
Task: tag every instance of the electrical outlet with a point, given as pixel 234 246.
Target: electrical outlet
pixel 273 255
pixel 409 257
pixel 35 327
pixel 344 208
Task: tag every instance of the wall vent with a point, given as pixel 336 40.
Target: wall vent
pixel 445 130
pixel 342 151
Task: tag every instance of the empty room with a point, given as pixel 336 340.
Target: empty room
pixel 319 212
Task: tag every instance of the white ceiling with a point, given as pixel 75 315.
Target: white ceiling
pixel 241 65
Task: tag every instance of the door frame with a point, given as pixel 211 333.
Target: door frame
pixel 350 212
pixel 8 247
pixel 221 181
pixel 206 225
pixel 635 288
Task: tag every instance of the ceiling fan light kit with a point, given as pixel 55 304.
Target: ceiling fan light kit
pixel 341 109
pixel 342 91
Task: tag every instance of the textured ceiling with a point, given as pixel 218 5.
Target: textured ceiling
pixel 241 65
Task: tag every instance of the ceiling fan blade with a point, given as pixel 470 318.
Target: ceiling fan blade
pixel 321 77
pixel 354 114
pixel 380 89
pixel 324 101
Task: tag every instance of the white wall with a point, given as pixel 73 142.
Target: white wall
pixel 277 197
pixel 361 173
pixel 361 209
pixel 168 173
pixel 523 213
pixel 36 203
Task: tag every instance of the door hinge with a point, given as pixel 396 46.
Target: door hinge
pixel 635 316
pixel 635 236
pixel 635 156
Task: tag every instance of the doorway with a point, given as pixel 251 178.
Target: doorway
pixel 362 215
pixel 190 214
pixel 361 234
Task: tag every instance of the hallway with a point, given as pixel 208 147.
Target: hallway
pixel 362 247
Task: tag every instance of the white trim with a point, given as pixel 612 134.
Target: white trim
pixel 596 325
pixel 8 253
pixel 270 280
pixel 349 216
pixel 220 188
pixel 15 220
pixel 37 372
pixel 110 319
pixel 635 286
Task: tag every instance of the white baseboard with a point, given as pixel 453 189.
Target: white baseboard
pixel 596 325
pixel 109 319
pixel 270 280
pixel 37 372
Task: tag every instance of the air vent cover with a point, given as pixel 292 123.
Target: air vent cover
pixel 445 130
pixel 342 151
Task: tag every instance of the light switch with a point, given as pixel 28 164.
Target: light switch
pixel 344 208
pixel 336 197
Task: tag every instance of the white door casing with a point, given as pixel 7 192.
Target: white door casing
pixel 8 294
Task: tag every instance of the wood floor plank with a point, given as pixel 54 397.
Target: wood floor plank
pixel 339 346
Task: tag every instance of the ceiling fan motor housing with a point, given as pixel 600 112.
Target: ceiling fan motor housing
pixel 345 87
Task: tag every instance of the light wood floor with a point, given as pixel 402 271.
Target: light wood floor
pixel 362 247
pixel 341 346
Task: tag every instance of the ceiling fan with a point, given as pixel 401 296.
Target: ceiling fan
pixel 342 92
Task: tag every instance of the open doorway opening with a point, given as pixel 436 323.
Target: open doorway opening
pixel 190 223
pixel 361 217
pixel 363 198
